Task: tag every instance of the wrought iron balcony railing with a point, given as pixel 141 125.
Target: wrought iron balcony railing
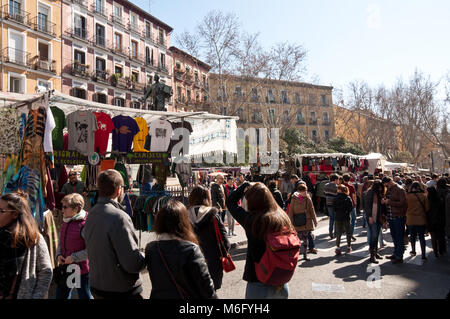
pixel 13 55
pixel 13 13
pixel 42 25
pixel 80 70
pixel 45 65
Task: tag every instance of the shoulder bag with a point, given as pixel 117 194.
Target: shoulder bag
pixel 300 219
pixel 227 263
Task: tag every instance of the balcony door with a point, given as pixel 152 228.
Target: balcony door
pixel 80 26
pixel 43 19
pixel 16 53
pixel 100 35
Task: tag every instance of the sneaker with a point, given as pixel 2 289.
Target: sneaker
pixel 349 250
pixel 338 252
pixel 312 251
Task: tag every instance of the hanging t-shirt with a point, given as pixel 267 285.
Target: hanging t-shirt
pixel 105 127
pixel 125 128
pixel 50 124
pixel 139 139
pixel 60 124
pixel 81 126
pixel 161 132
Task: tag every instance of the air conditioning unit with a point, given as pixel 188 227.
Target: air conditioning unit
pixel 45 65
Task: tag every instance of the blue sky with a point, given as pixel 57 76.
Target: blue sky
pixel 376 41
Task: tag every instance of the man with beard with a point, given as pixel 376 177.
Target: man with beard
pixel 112 245
pixel 74 185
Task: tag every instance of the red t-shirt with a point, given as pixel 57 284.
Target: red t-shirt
pixel 352 191
pixel 105 127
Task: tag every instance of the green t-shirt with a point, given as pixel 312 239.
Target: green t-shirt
pixel 57 134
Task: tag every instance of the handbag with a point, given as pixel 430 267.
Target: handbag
pixel 300 219
pixel 60 274
pixel 227 262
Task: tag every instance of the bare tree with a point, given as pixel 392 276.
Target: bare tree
pixel 287 61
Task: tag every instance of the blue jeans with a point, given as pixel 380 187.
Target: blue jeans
pixel 257 290
pixel 373 231
pixel 353 221
pixel 397 226
pixel 63 292
pixel 364 219
pixel 331 214
pixel 415 231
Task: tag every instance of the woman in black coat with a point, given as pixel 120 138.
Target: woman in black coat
pixel 276 193
pixel 436 220
pixel 201 216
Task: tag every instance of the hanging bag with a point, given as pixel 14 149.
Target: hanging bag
pixel 227 263
pixel 300 218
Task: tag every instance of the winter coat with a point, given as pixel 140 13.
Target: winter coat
pixel 436 216
pixel 397 200
pixel 277 196
pixel 304 207
pixel 330 193
pixel 218 196
pixel 418 206
pixel 368 206
pixel 320 188
pixel 343 207
pixel 187 265
pixel 202 219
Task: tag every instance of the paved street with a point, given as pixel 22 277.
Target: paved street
pixel 327 276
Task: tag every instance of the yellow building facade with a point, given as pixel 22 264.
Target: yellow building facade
pixel 30 32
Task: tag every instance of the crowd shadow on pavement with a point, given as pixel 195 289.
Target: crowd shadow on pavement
pixel 238 254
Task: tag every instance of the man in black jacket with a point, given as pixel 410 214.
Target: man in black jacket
pixel 218 195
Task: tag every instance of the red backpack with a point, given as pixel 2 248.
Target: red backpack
pixel 279 261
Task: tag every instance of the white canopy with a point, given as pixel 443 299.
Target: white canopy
pixel 390 166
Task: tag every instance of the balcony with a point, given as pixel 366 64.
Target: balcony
pixel 99 9
pixel 117 18
pixel 118 49
pixel 163 68
pixel 78 33
pixel 82 3
pixel 118 81
pixel 162 42
pixel 100 76
pixel 197 84
pixel 179 75
pixel 45 65
pixel 312 121
pixel 16 15
pixel 137 57
pixel 99 41
pixel 300 121
pixel 254 99
pixel 326 122
pixel 19 57
pixel 44 26
pixel 80 70
pixel 149 62
pixel 138 87
pixel 134 27
pixel 188 80
pixel 147 35
pixel 286 101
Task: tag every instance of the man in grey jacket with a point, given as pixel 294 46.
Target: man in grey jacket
pixel 112 246
pixel 330 191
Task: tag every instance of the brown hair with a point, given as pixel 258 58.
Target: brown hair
pixel 173 219
pixel 24 230
pixel 343 189
pixel 302 187
pixel 199 196
pixel 74 201
pixel 108 182
pixel 271 218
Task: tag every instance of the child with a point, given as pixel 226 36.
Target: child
pixel 343 207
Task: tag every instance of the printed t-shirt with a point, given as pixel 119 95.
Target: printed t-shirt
pixel 81 126
pixel 125 128
pixel 161 132
pixel 60 124
pixel 50 124
pixel 105 127
pixel 139 139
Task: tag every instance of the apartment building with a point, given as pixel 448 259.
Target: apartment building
pixel 30 56
pixel 190 81
pixel 112 51
pixel 269 103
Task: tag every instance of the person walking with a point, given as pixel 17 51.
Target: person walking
pixel 72 247
pixel 218 195
pixel 112 245
pixel 416 217
pixel 262 217
pixel 301 203
pixel 175 262
pixel 230 187
pixel 396 207
pixel 374 210
pixel 436 222
pixel 25 264
pixel 331 193
pixel 343 207
pixel 74 185
pixel 276 193
pixel 320 192
pixel 201 216
pixel 286 187
pixel 352 194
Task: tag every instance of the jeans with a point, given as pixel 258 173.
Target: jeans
pixel 63 292
pixel 373 231
pixel 331 214
pixel 415 231
pixel 257 290
pixel 310 241
pixel 364 219
pixel 353 221
pixel 230 221
pixel 397 226
pixel 303 236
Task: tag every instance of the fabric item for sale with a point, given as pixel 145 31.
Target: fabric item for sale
pixel 139 138
pixel 50 199
pixel 22 125
pixel 107 164
pixel 125 128
pixel 127 202
pixel 105 127
pixel 144 174
pixel 50 234
pixel 81 126
pixel 60 124
pixel 161 132
pixel 9 131
pixel 50 125
pixel 120 167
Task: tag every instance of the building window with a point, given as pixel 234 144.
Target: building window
pixel 43 19
pixel 326 135
pixel 100 35
pixel 79 93
pixel 135 76
pixel 162 62
pixel 15 8
pixel 119 102
pixel 80 26
pixel 314 134
pixel 325 118
pixel 220 93
pixel 101 98
pixel 271 116
pixel 189 95
pixel 134 49
pixel 117 11
pixel 312 99
pixel 297 98
pixel 285 97
pixel 286 116
pixel 270 98
pixel 118 70
pixel 148 30
pixel 44 85
pixel 161 36
pixel 256 116
pixel 238 91
pixel 135 105
pixel 323 99
pixel 16 84
pixel 149 80
pixel 133 21
pixel 43 50
pixel 240 114
pixel 117 42
pixel 300 119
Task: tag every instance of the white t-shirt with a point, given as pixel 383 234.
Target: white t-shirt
pixel 160 132
pixel 49 126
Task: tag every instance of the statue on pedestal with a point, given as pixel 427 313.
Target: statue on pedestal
pixel 158 92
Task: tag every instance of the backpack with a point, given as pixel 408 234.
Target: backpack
pixel 279 261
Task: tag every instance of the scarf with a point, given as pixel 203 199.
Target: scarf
pixel 80 216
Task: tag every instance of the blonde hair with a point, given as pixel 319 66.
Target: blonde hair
pixel 343 189
pixel 74 201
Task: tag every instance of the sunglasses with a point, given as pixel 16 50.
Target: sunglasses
pixel 65 207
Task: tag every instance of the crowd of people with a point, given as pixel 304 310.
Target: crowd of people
pixel 184 262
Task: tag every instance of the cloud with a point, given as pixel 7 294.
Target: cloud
pixel 373 16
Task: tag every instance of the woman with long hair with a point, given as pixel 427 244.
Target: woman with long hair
pixel 374 211
pixel 175 263
pixel 261 217
pixel 25 265
pixel 202 217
